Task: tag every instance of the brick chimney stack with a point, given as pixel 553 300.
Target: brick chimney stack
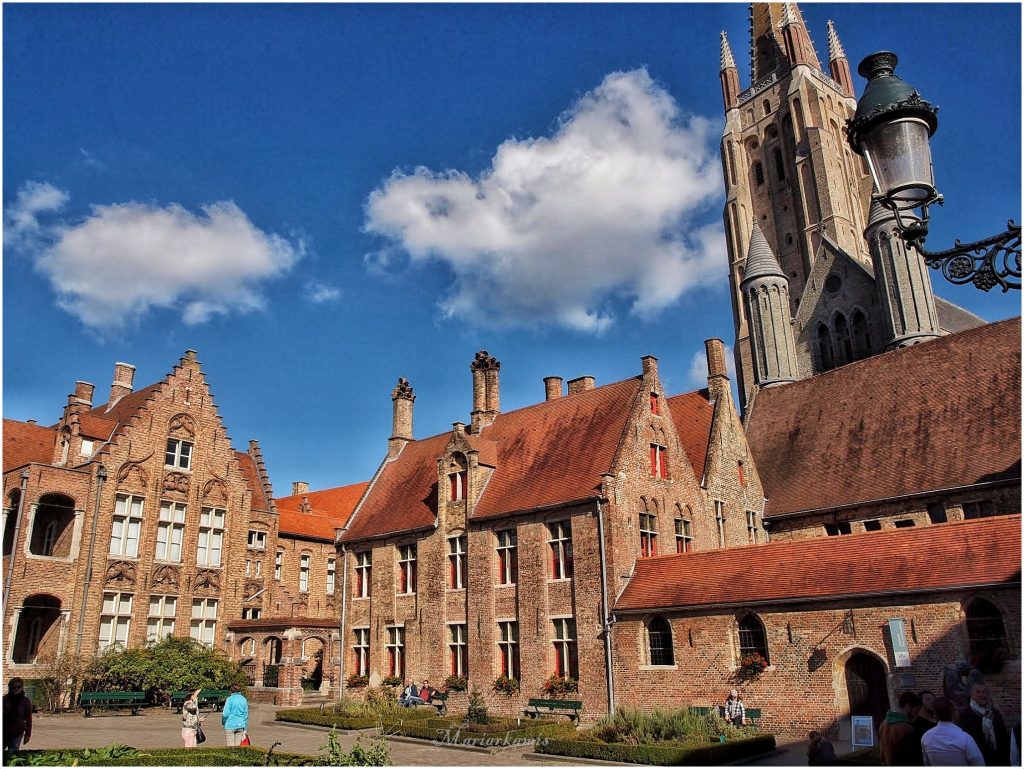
pixel 299 487
pixel 124 376
pixel 581 384
pixel 486 393
pixel 402 398
pixel 552 388
pixel 84 392
pixel 718 377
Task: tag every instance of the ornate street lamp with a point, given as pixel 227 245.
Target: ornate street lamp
pixel 890 130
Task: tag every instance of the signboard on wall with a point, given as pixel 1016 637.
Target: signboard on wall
pixel 900 650
pixel 862 731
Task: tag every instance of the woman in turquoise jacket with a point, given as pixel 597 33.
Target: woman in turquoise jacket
pixel 235 717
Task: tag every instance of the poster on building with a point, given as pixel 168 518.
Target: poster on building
pixel 900 651
pixel 862 732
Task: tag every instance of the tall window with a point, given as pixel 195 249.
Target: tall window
pixel 304 573
pixel 211 536
pixel 257 539
pixel 560 541
pixel 648 534
pixel 456 562
pixel 124 535
pixel 170 531
pixel 565 647
pixel 179 454
pixel 659 641
pixel 759 173
pixel 35 636
pixel 162 610
pixel 752 637
pixel 361 649
pixel 986 635
pixel 457 475
pixel 508 649
pixel 331 571
pixel 204 620
pixel 844 347
pixel 50 538
pixel 720 521
pixel 278 564
pixel 457 650
pixel 861 334
pixel 508 561
pixel 684 535
pixel 407 569
pixel 116 619
pixel 396 651
pixel 825 354
pixel 780 167
pixel 659 461
pixel 363 574
pixel 751 525
pixel 654 403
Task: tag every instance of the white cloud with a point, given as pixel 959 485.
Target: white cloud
pixel 321 293
pixel 559 227
pixel 22 228
pixel 123 261
pixel 699 367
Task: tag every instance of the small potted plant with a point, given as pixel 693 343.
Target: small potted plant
pixel 506 685
pixel 751 666
pixel 456 684
pixel 356 681
pixel 392 681
pixel 559 686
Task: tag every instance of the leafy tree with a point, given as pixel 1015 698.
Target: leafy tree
pixel 477 708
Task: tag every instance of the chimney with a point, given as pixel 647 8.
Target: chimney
pixel 299 487
pixel 581 384
pixel 486 395
pixel 84 392
pixel 124 376
pixel 649 365
pixel 402 398
pixel 718 377
pixel 552 388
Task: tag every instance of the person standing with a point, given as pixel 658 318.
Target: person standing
pixel 190 720
pixel 925 718
pixel 946 744
pixel 735 712
pixel 235 717
pixel 819 750
pixel 985 724
pixel 898 741
pixel 17 716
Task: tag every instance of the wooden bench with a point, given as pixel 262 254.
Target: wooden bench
pixel 214 698
pixel 89 701
pixel 440 701
pixel 570 708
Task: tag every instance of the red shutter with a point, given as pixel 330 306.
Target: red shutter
pixel 654 460
pixel 654 403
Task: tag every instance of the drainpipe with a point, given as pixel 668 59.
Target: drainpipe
pixel 606 624
pixel 17 532
pixel 341 625
pixel 101 476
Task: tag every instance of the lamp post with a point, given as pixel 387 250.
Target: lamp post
pixel 890 129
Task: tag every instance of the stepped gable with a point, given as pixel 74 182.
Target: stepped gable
pixel 986 552
pixel 25 443
pixel 936 415
pixel 259 501
pixel 692 414
pixel 329 509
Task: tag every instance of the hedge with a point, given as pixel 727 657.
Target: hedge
pixel 220 756
pixel 313 717
pixel 863 757
pixel 661 755
pixel 454 733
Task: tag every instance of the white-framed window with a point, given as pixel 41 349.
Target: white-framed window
pixel 257 539
pixel 162 611
pixel 508 648
pixel 508 559
pixel 257 570
pixel 752 525
pixel 204 620
pixel 407 569
pixel 560 542
pixel 457 650
pixel 363 573
pixel 170 531
pixel 304 573
pixel 684 535
pixel 248 647
pixel 87 446
pixel 720 521
pixel 456 563
pixel 248 567
pixel 648 535
pixel 564 642
pixel 211 536
pixel 179 454
pixel 278 564
pixel 396 650
pixel 361 649
pixel 115 619
pixel 251 612
pixel 124 533
pixel 331 571
pixel 457 485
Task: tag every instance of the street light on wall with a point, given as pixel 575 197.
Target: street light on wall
pixel 890 129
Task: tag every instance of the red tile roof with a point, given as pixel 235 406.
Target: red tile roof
pixel 25 443
pixel 692 414
pixel 940 414
pixel 330 508
pixel 254 482
pixel 927 558
pixel 93 426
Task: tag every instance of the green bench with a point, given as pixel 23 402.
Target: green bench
pixel 214 698
pixel 89 701
pixel 570 708
pixel 440 701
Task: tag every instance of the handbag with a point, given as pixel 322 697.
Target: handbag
pixel 245 740
pixel 200 735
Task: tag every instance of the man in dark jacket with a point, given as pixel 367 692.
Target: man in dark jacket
pixel 898 740
pixel 985 724
pixel 17 716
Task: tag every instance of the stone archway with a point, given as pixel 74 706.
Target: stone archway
pixel 314 649
pixel 38 631
pixel 861 686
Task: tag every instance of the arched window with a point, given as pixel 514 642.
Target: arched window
pixel 780 168
pixel 52 526
pixel 752 637
pixel 844 347
pixel 457 473
pixel 758 173
pixel 273 650
pixel 825 348
pixel 986 636
pixel 11 521
pixel 861 334
pixel 659 641
pixel 766 106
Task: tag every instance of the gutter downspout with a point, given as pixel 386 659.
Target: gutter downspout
pixel 606 624
pixel 341 624
pixel 101 476
pixel 17 533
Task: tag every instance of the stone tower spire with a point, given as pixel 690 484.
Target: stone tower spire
pixel 838 65
pixel 796 38
pixel 766 293
pixel 729 75
pixel 904 286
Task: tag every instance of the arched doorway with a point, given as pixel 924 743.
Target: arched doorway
pixel 866 687
pixel 38 632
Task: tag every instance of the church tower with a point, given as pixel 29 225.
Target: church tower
pixel 789 169
pixel 767 304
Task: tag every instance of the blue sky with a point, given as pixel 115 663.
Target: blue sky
pixel 243 180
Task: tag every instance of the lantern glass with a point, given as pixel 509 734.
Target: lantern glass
pixel 900 162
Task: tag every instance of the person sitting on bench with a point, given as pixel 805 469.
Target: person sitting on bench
pixel 427 691
pixel 410 695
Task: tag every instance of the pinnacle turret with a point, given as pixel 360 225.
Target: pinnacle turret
pixel 727 61
pixel 835 48
pixel 761 261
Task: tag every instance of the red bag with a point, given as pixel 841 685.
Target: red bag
pixel 245 740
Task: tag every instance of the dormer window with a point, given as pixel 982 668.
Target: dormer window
pixel 457 477
pixel 179 454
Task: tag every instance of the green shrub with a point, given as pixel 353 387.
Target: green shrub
pixel 477 708
pixel 349 715
pixel 637 727
pixel 356 681
pixel 332 754
pixel 456 684
pixel 657 755
pixel 121 755
pixel 392 681
pixel 557 685
pixel 506 685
